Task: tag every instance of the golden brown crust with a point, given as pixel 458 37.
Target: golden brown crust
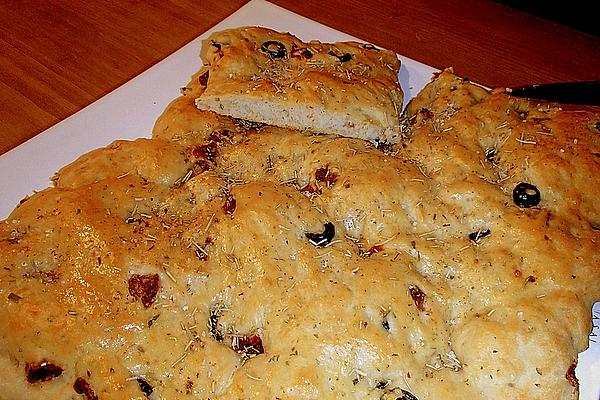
pixel 184 123
pixel 464 133
pixel 280 264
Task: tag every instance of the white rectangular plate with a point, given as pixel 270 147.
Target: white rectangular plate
pixel 129 112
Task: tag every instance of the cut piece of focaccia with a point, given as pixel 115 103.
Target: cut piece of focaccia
pixel 349 89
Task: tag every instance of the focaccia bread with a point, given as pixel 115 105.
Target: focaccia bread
pixel 260 75
pixel 183 123
pixel 225 260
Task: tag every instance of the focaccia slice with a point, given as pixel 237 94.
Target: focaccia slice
pixel 349 89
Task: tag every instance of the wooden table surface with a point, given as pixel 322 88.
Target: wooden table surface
pixel 57 56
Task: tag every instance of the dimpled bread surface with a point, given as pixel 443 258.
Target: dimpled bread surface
pixel 201 263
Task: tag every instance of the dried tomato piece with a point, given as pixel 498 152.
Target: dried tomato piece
pixel 189 384
pixel 201 254
pixel 203 79
pixel 81 386
pixel 377 248
pixel 144 287
pixel 310 190
pixel 324 175
pixel 42 371
pixel 14 297
pixel 206 151
pixel 570 375
pixel 230 204
pixel 202 165
pixel 426 113
pixel 418 296
pixel 219 136
pixel 248 346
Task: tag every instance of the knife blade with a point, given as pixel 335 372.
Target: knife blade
pixel 584 93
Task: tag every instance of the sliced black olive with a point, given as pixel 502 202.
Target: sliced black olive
pixel 369 46
pixel 523 115
pixel 382 384
pixel 397 394
pixel 476 236
pixel 274 49
pixel 343 58
pixel 526 195
pixel 152 320
pixel 301 53
pixel 406 395
pixel 145 387
pixel 217 45
pixel 213 323
pixel 322 239
pixel 490 154
pixel 386 324
pixel 597 126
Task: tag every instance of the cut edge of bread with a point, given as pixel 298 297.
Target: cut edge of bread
pixel 303 117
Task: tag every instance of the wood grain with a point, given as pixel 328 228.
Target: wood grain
pixel 57 56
